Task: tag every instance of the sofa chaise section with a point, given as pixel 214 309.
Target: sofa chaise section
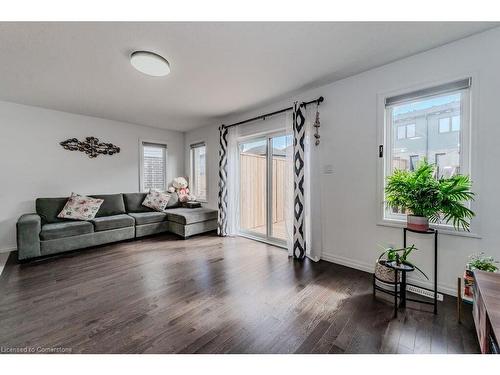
pixel 184 222
pixel 187 222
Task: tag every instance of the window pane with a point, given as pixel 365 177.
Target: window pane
pixel 444 125
pixel 455 123
pixel 199 177
pixel 413 162
pixel 281 186
pixel 253 177
pixel 401 132
pixel 410 131
pixel 427 124
pixel 154 167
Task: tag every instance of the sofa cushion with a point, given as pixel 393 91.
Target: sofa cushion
pixel 174 200
pixel 113 204
pixel 49 208
pixel 54 231
pixel 112 222
pixel 156 200
pixel 148 217
pixel 80 207
pixel 133 202
pixel 190 215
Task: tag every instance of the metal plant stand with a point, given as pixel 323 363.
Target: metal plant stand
pixel 402 290
pixel 435 291
pixel 403 268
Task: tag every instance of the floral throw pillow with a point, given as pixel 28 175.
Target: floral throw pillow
pixel 156 200
pixel 80 207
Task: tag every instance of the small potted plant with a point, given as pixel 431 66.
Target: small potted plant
pixel 426 198
pixel 386 274
pixel 477 261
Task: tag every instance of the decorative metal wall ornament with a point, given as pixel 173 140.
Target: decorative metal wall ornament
pixel 91 146
pixel 317 124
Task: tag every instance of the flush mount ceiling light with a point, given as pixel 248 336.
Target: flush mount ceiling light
pixel 150 63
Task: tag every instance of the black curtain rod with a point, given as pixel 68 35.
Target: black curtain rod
pixel 318 101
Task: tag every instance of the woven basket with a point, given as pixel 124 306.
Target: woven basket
pixel 384 273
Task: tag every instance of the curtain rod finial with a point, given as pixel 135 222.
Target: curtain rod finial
pixel 320 99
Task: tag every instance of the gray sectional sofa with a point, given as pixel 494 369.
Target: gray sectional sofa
pixel 120 217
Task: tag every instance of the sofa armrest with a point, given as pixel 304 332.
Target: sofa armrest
pixel 29 227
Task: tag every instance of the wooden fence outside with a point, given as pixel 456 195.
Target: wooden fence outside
pixel 253 190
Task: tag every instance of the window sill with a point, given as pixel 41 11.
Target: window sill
pixel 443 229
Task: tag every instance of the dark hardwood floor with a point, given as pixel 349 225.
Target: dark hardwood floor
pixel 211 295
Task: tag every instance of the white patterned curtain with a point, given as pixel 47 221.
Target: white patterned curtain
pixel 228 181
pixel 303 231
pixel 222 221
pixel 288 179
pixel 306 229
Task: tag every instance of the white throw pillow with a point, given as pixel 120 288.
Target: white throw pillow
pixel 80 207
pixel 156 200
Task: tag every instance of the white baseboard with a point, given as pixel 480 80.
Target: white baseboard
pixel 314 259
pixel 446 289
pixel 7 250
pixel 348 262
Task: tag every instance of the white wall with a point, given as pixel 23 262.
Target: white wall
pixel 349 200
pixel 33 164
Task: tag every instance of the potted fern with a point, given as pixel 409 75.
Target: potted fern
pixel 426 198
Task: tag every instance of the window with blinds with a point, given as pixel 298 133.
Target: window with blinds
pixel 198 175
pixel 154 166
pixel 431 124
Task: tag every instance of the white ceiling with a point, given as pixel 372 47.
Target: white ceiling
pixel 217 68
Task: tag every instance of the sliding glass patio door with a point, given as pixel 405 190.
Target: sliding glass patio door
pixel 264 187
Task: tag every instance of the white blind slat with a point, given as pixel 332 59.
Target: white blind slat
pixel 154 166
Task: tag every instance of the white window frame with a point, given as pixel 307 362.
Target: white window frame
pixel 414 130
pixel 467 152
pixel 451 124
pixel 191 169
pixel 141 161
pixel 405 126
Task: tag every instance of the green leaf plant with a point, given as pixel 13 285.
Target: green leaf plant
pixel 400 255
pixel 422 194
pixel 481 262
